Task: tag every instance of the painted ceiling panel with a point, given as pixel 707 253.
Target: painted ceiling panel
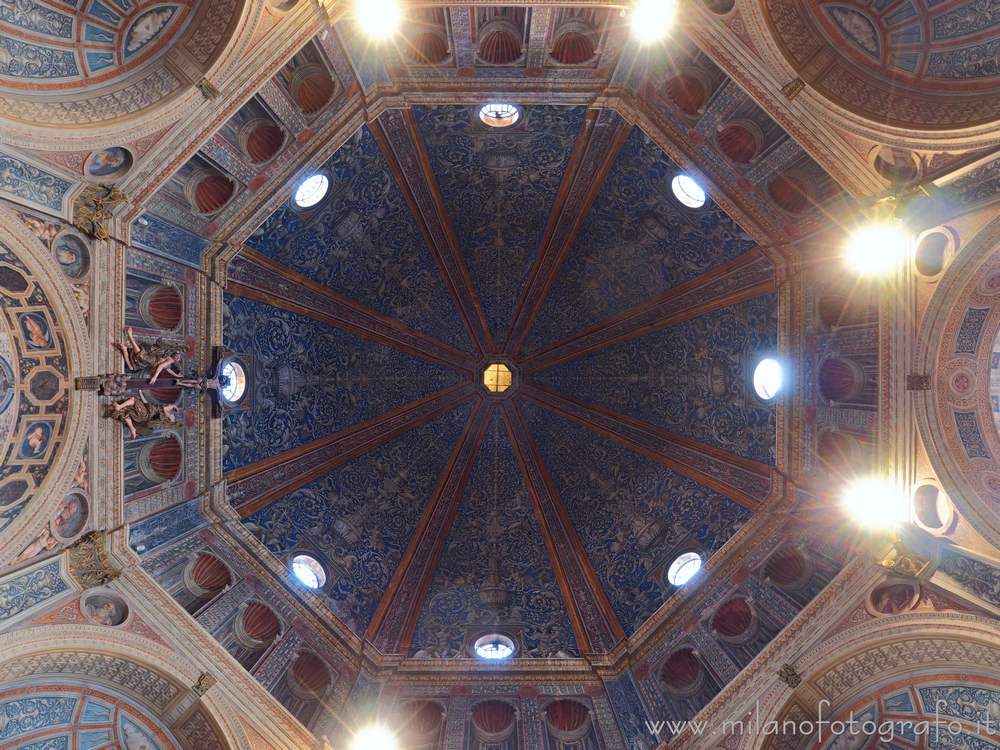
pixel 362 241
pixel 693 378
pixel 636 242
pixel 632 515
pixel 359 518
pixel 310 380
pixel 495 573
pixel 498 186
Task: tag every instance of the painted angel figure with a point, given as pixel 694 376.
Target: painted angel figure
pixel 137 411
pixel 141 356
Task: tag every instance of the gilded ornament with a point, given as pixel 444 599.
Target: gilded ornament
pixel 89 562
pixel 92 208
pixel 907 564
pixel 204 684
pixel 789 676
pixel 209 89
pixel 793 88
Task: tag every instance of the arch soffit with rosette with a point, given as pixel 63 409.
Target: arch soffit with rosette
pixel 219 58
pixel 79 418
pixel 964 450
pixel 924 644
pixel 768 66
pixel 93 641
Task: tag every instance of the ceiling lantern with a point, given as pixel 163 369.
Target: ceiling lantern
pixel 574 43
pixel 426 43
pixel 499 42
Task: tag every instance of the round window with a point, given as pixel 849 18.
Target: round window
pixel 311 191
pixel 498 115
pixel 683 568
pixel 767 378
pixel 233 381
pixel 688 192
pixel 308 570
pixel 494 646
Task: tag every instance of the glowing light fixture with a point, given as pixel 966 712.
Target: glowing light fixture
pixel 652 19
pixel 767 378
pixel 877 248
pixel 494 646
pixel 311 191
pixel 379 18
pixel 688 192
pixel 876 503
pixel 683 568
pixel 374 738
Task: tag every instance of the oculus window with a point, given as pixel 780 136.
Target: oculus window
pixel 311 191
pixel 683 568
pixel 688 192
pixel 308 570
pixel 494 646
pixel 498 115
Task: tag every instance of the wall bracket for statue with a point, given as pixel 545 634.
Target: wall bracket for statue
pixel 89 562
pixel 92 207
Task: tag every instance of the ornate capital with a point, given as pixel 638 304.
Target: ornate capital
pixel 204 684
pixel 89 562
pixel 789 676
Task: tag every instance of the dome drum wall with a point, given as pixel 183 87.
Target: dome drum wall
pixel 568 720
pixel 574 43
pixel 256 626
pixel 420 722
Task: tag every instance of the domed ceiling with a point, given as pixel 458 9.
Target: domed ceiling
pixel 548 511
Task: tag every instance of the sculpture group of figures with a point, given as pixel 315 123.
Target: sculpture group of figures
pixel 148 364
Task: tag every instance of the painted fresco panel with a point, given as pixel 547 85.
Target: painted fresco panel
pixel 495 572
pixel 310 380
pixel 636 242
pixel 694 378
pixel 359 518
pixel 631 514
pixel 362 241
